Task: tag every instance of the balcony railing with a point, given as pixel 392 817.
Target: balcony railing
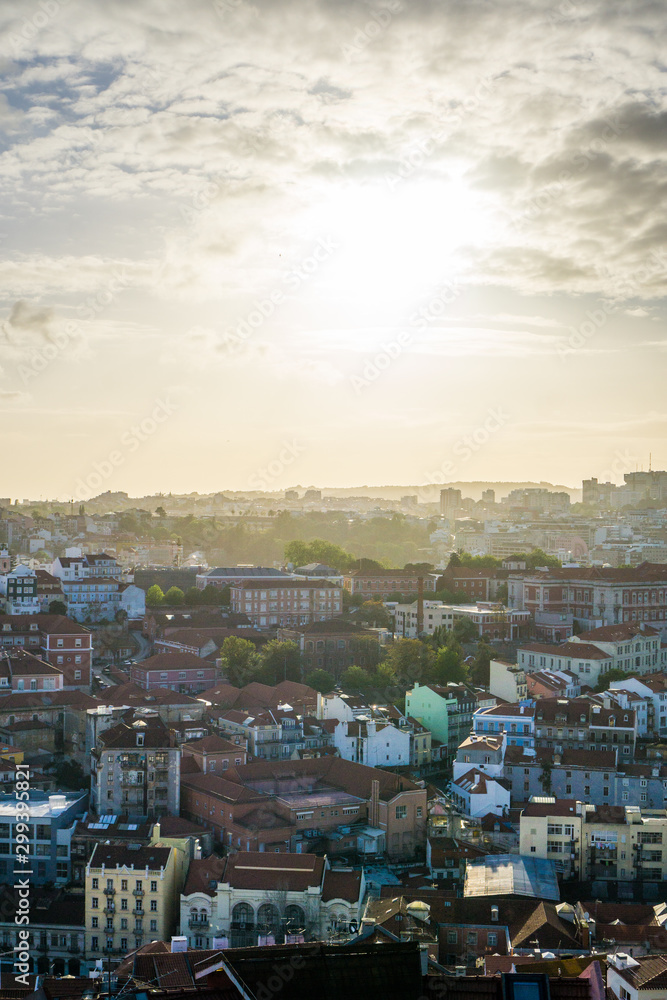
pixel 138 912
pixel 196 925
pixel 138 892
pixel 110 908
pixel 109 891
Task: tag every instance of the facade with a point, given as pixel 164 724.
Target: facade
pixel 58 640
pixel 135 768
pixel 131 898
pixel 587 662
pixel 332 645
pixel 22 671
pixel 553 684
pixel 252 898
pixel 19 589
pixel 377 583
pixel 183 672
pixel 287 602
pixel 516 721
pixel 507 681
pixel 445 710
pixel 477 794
pixel 377 744
pixel 492 621
pixel 271 733
pixel 57 924
pixel 581 723
pixel 52 819
pixel 434 615
pixel 597 596
pixel 213 755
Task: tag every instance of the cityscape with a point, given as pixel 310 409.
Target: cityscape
pixel 333 509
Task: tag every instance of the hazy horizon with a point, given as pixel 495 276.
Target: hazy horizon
pixel 330 241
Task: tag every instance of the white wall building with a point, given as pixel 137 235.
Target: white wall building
pixel 376 744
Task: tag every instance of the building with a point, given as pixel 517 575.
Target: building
pixel 131 897
pixel 581 723
pixel 492 621
pixel 22 671
pixel 586 661
pixel 254 898
pixel 637 978
pixel 271 733
pixel 183 672
pixel 52 819
pixel 515 721
pixel 91 585
pixel 477 794
pixel 553 684
pixel 321 803
pixel 213 755
pixel 450 502
pixel 229 576
pixel 596 596
pixel 19 588
pixel 135 768
pixel 56 639
pixel 371 742
pixel 446 711
pixel 378 583
pixel 507 680
pixel 434 615
pixel 333 645
pixel 57 924
pixel 287 602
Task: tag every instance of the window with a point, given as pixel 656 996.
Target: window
pixel 451 937
pixel 95 922
pixel 492 939
pixel 95 902
pixel 401 812
pixel 153 886
pixel 96 883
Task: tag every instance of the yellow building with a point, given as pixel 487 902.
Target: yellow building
pixel 132 897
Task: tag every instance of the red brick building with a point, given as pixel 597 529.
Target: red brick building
pixel 63 643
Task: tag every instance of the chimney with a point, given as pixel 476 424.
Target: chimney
pixel 374 809
pixel 420 605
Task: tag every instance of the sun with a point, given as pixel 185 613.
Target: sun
pixel 398 241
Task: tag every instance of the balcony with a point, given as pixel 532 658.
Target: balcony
pixel 196 925
pixel 138 912
pixel 109 908
pixel 138 892
pixel 109 891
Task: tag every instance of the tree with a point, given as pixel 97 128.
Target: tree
pixel 280 661
pixel 193 597
pixel 354 680
pixel 320 680
pixel 161 512
pixel 365 651
pixel 374 613
pixel 239 658
pixel 604 680
pixel 215 596
pixel 411 661
pixel 480 668
pixel 154 596
pixel 174 596
pixel 121 616
pixel 454 561
pixel 57 608
pixel 449 666
pixel 465 630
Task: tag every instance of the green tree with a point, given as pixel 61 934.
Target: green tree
pixel 604 680
pixel 449 666
pixel 355 680
pixel 240 662
pixel 57 608
pixel 480 667
pixel 320 680
pixel 454 561
pixel 215 596
pixel 174 596
pixel 154 596
pixel 465 630
pixel 374 613
pixel 193 597
pixel 411 661
pixel 280 661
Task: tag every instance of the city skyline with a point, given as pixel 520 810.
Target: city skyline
pixel 351 242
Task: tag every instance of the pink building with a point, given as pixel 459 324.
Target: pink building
pixel 182 672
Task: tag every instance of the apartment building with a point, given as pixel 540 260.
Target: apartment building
pixel 271 733
pixel 517 721
pixel 229 576
pixel 57 922
pixel 507 680
pixel 135 768
pixel 213 755
pixel 446 711
pixel 586 661
pixel 19 589
pixel 287 602
pixel 56 639
pixel 574 723
pixel 132 896
pixel 596 842
pixel 52 819
pixel 492 620
pixel 553 684
pixel 22 671
pixel 379 735
pixel 184 672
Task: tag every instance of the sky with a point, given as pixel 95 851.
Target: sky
pixel 330 242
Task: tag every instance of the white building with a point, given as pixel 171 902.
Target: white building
pixel 476 794
pixel 435 615
pixel 19 588
pixel 254 898
pixel 377 744
pixel 507 680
